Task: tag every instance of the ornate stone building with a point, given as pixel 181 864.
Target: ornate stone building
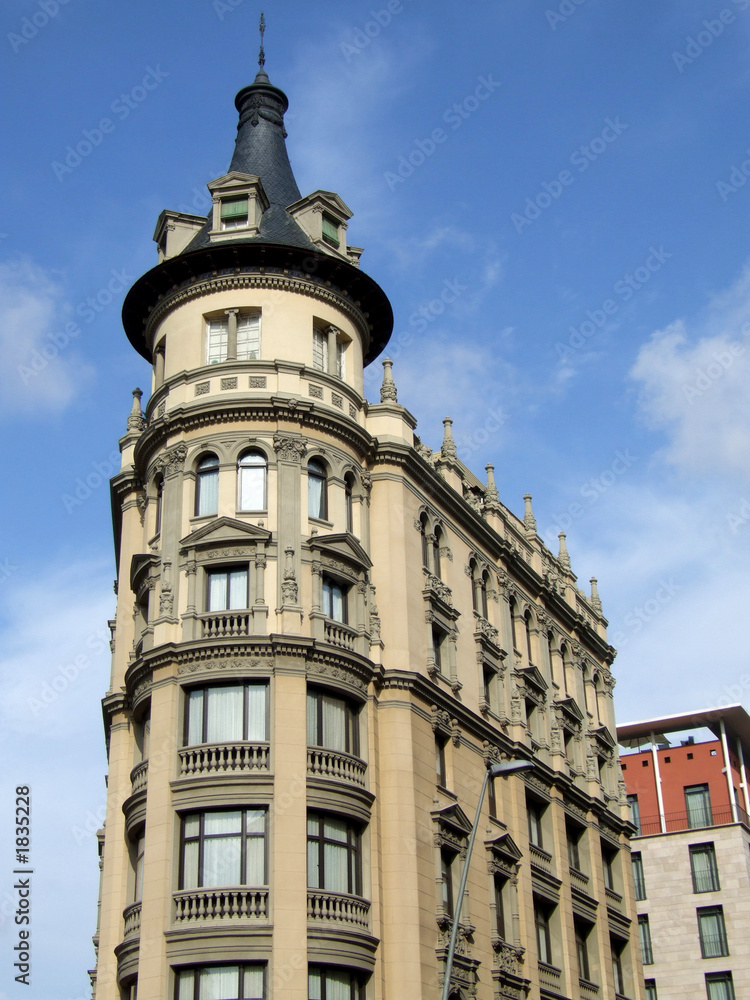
pixel 325 632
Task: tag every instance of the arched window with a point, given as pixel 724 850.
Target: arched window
pixel 527 626
pixel 474 588
pixel 159 487
pixel 424 531
pixel 479 584
pixel 317 501
pixel 251 473
pixel 514 635
pixel 348 501
pixel 437 537
pixel 207 486
pixel 484 581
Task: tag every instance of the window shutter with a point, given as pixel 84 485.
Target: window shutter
pixel 231 208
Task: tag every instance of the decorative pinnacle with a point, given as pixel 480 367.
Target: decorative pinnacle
pixel 563 556
pixel 529 521
pixel 448 449
pixel 388 392
pixel 491 496
pixel 262 54
pixel 596 603
pixel 136 420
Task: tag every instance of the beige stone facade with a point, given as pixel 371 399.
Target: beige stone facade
pixel 325 632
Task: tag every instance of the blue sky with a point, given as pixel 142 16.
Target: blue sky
pixel 571 177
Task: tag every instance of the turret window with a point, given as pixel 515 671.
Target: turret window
pixel 320 350
pixel 207 486
pixel 332 723
pixel 218 334
pixel 222 982
pixel 234 213
pixel 333 983
pixel 226 847
pixel 333 854
pixel 251 470
pixel 228 343
pixel 226 713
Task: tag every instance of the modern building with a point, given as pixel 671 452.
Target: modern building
pixel 691 855
pixel 325 633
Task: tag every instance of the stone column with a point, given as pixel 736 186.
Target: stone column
pixel 290 450
pixel 231 334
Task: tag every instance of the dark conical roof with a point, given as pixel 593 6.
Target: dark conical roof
pixel 260 149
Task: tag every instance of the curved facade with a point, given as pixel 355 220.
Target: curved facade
pixel 325 632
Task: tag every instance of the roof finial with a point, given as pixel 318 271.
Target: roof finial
pixel 529 521
pixel 262 54
pixel 388 393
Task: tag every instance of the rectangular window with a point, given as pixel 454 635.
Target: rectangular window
pixel 638 878
pixel 719 986
pixel 609 865
pixel 446 871
pixel 333 854
pixel 438 637
pixel 226 847
pixel 331 230
pixel 499 884
pixel 535 811
pixel 582 949
pixel 542 913
pixel 440 769
pixel 704 869
pixel 234 213
pixel 334 599
pixel 139 852
pixel 574 834
pixel 698 806
pixel 222 982
pixel 340 359
pixel 248 337
pixel 644 930
pixel 217 340
pixel 712 932
pixel 227 714
pixel 332 723
pixel 320 350
pixel 333 983
pixel 617 947
pixel 651 993
pixel 635 813
pixel 227 589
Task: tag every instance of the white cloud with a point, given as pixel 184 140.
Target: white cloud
pixel 39 367
pixel 694 386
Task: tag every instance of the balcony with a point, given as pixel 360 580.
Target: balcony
pixel 541 858
pixel 339 634
pixel 338 908
pixel 650 825
pixel 132 918
pixel 323 763
pixel 223 758
pixel 225 624
pixel 550 976
pixel 221 904
pixel 139 777
pixel 588 989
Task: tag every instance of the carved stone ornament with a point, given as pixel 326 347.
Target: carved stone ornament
pixel 289 583
pixel 289 449
pixel 140 501
pixel 484 628
pixel 338 673
pixel 436 586
pixel 172 461
pixel 198 666
pixel 366 480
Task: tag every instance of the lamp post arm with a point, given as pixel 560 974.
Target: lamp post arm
pixel 461 890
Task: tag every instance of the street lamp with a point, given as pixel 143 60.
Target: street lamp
pixel 493 771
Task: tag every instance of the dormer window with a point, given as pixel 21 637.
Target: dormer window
pixel 331 231
pixel 234 214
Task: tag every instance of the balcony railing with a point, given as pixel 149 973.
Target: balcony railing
pixel 614 899
pixel 223 758
pixel 139 777
pixel 674 821
pixel 588 989
pixel 221 904
pixel 540 857
pixel 550 975
pixel 132 918
pixel 223 624
pixel 338 908
pixel 339 634
pixel 331 764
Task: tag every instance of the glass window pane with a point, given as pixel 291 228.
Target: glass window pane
pixel 186 985
pixel 320 350
pixel 336 867
pixel 334 724
pixel 315 493
pixel 190 865
pixel 195 717
pixel 338 985
pixel 313 863
pixel 217 591
pixel 253 982
pixel 335 829
pixel 256 712
pixel 221 861
pixel 208 493
pixel 252 488
pixel 221 982
pixel 224 722
pixel 313 737
pixel 248 337
pixel 698 806
pixel 220 823
pixel 218 331
pixel 314 985
pixel 237 589
pixel 255 861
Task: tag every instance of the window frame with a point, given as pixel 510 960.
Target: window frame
pixel 635 813
pixel 351 724
pixel 215 572
pixel 644 936
pixel 243 836
pixel 543 911
pixel 616 948
pixel 720 978
pixel 706 810
pixel 499 882
pixel 243 217
pixel 356 983
pixel 317 472
pixel 447 891
pixel 441 771
pixel 205 690
pixel 581 932
pixel 535 811
pixel 639 878
pixel 332 586
pixel 705 912
pixel 709 849
pixel 197 969
pixel 353 847
pixel 205 473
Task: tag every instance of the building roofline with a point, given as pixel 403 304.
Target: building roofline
pixel 736 722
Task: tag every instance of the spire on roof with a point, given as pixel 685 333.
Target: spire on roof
pixel 262 28
pixel 388 393
pixel 491 496
pixel 563 556
pixel 529 521
pixel 449 445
